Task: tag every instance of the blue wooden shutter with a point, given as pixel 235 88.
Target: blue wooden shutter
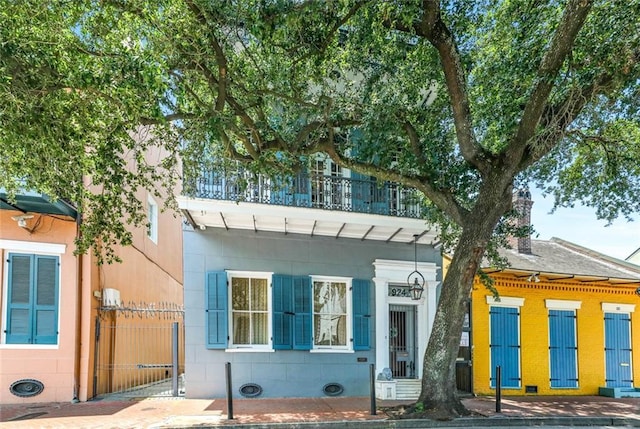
pixel 617 349
pixel 282 312
pixel 505 347
pixel 380 197
pixel 361 192
pixel 19 319
pixel 562 348
pixel 361 314
pixel 45 310
pixel 301 184
pixel 216 320
pixel 302 305
pixel 361 185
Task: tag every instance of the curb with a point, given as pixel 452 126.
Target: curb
pixel 425 423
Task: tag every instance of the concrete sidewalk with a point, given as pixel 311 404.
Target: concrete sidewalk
pixel 327 413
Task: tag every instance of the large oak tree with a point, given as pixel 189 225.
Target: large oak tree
pixel 462 100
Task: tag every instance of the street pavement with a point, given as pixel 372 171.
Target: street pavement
pixel 308 413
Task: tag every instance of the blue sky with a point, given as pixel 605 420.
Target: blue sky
pixel 579 225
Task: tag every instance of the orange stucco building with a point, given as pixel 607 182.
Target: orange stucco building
pixel 53 301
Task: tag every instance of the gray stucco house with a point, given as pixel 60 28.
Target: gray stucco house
pixel 302 284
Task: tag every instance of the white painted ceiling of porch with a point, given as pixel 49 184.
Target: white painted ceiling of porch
pixel 307 221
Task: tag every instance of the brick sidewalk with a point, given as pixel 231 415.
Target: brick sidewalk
pixel 177 412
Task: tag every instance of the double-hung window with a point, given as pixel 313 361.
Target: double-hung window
pixel 250 304
pixel 32 299
pixel 266 311
pixel 331 318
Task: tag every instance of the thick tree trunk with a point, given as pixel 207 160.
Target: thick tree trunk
pixel 439 398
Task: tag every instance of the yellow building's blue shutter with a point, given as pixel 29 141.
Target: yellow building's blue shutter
pixel 216 309
pixel 617 349
pixel 562 348
pixel 505 346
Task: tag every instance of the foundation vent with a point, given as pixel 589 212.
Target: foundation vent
pixel 26 388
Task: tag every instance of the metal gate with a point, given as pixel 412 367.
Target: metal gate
pixel 139 355
pixel 402 340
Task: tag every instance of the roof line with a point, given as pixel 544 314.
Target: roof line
pixel 596 254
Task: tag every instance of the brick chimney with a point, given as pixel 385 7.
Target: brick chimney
pixel 522 205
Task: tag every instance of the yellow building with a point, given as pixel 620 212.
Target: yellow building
pixel 565 323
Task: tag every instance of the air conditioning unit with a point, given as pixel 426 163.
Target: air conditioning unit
pixel 110 297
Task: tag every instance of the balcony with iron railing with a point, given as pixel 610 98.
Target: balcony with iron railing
pixel 358 194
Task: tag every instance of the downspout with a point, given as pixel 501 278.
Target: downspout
pixel 78 342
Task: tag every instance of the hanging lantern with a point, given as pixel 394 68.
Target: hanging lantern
pixel 416 280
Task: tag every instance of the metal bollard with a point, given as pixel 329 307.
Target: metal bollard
pixel 372 388
pixel 174 359
pixel 227 368
pixel 498 389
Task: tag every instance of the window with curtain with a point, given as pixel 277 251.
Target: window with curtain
pixel 249 311
pixel 331 327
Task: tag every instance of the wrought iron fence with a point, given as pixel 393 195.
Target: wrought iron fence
pixel 310 191
pixel 139 351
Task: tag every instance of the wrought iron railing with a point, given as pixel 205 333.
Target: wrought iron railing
pixel 309 190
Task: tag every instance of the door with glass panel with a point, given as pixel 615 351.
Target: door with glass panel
pixel 327 185
pixel 402 341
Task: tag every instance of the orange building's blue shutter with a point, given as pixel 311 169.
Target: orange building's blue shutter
pixel 32 304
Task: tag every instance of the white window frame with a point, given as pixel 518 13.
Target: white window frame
pixel 35 248
pixel 152 218
pixel 268 347
pixel 348 347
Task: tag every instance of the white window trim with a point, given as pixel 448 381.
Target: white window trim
pixel 505 301
pixel 234 348
pixel 561 304
pixel 34 248
pixel 348 348
pixel 610 307
pixel 152 217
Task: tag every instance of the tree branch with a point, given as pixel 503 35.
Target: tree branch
pixel 444 200
pixel 336 26
pixel 414 140
pixel 564 37
pixel 436 32
pixel 556 119
pixel 221 59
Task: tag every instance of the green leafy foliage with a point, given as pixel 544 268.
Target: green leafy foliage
pixel 461 100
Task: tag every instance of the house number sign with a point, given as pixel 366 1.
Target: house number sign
pixel 401 291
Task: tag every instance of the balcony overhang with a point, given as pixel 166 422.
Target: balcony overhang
pixel 35 202
pixel 206 213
